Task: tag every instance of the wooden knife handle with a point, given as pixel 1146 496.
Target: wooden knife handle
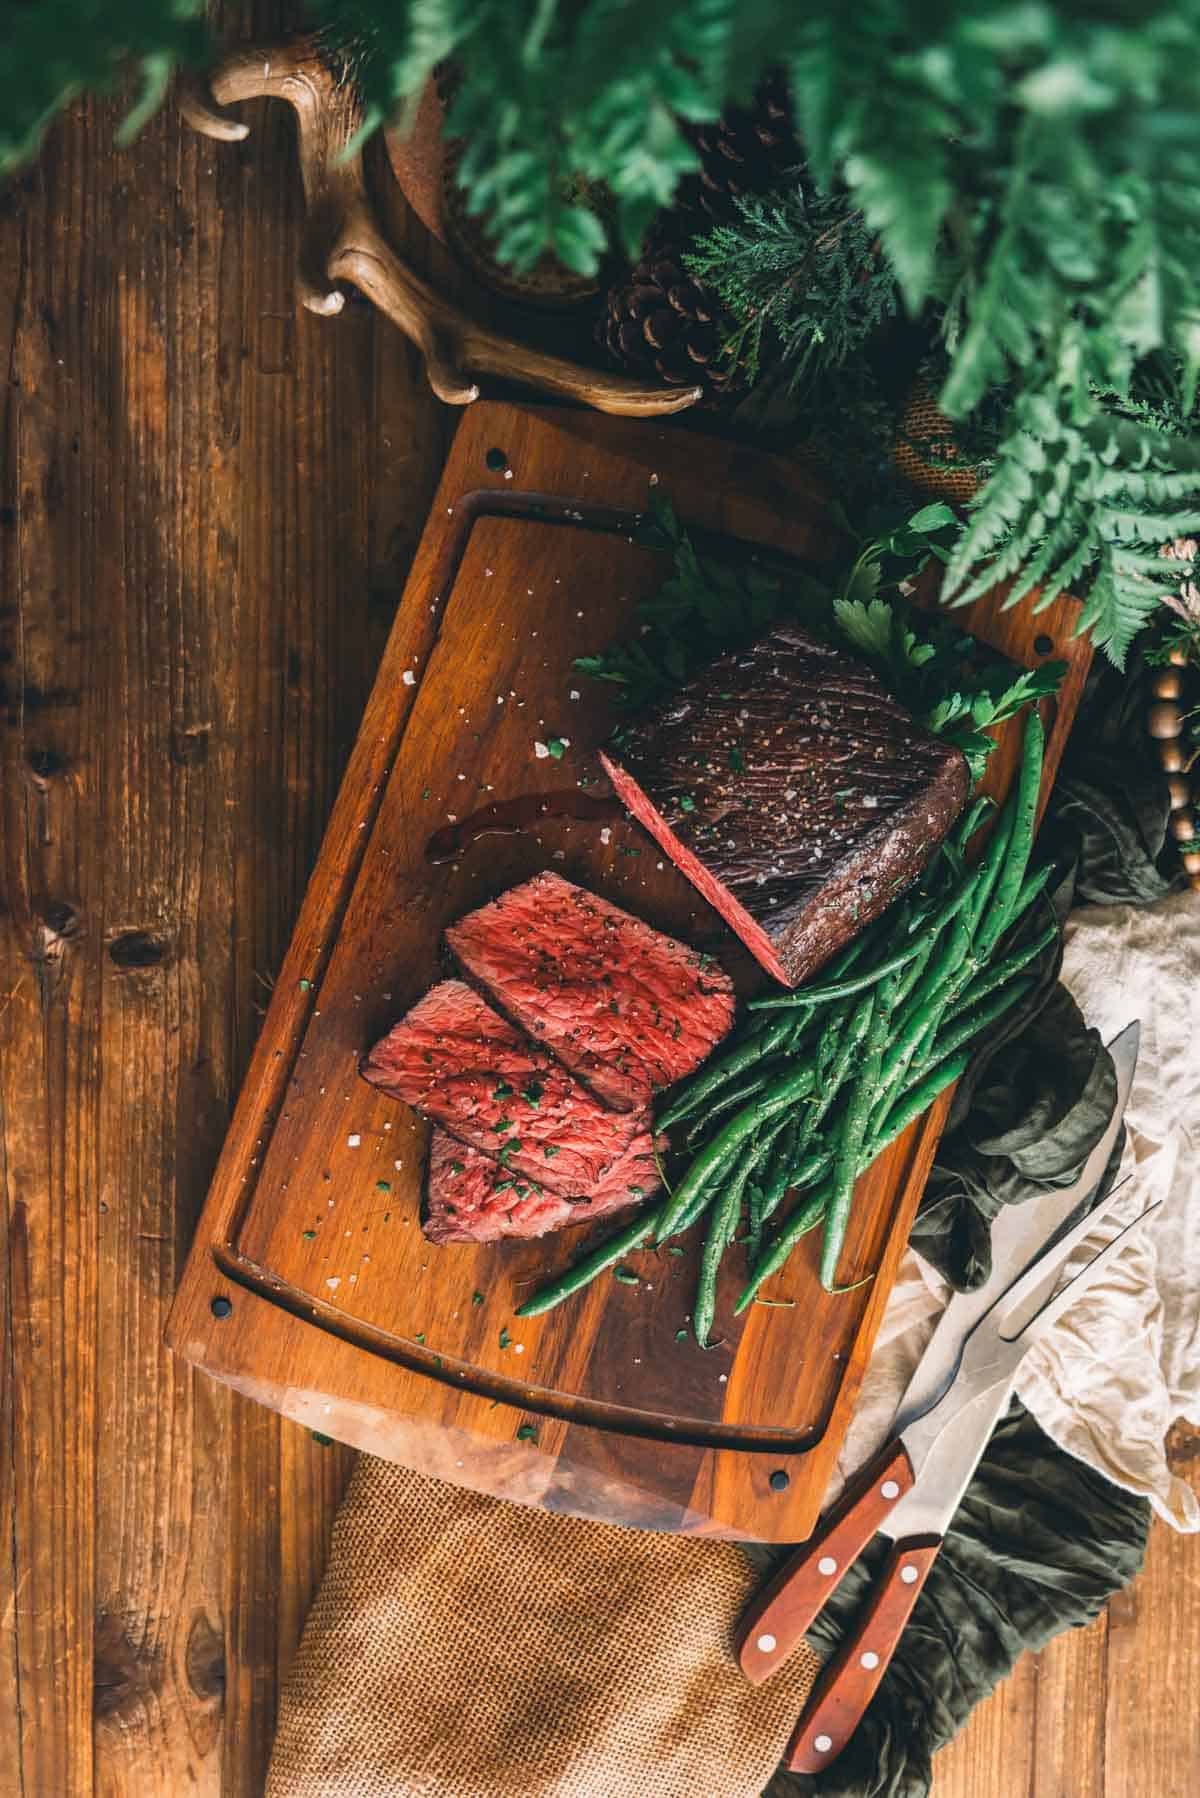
pixel 774 1623
pixel 847 1685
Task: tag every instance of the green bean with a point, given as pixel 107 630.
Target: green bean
pixel 733 1096
pixel 913 971
pixel 853 1132
pixel 804 1218
pixel 811 1167
pixel 839 989
pixel 927 1004
pixel 959 1029
pixel 717 1074
pixel 913 1102
pixel 990 978
pixel 991 862
pixel 1031 888
pixel 583 1271
pixel 973 817
pixel 778 1170
pixel 721 1226
pixel 999 913
pixel 777 1097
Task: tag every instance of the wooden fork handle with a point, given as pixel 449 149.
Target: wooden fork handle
pixel 773 1625
pixel 846 1686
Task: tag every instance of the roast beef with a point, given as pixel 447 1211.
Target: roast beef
pixel 470 1198
pixel 623 1006
pixel 459 1062
pixel 794 791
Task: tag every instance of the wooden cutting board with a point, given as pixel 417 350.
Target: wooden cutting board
pixel 310 1286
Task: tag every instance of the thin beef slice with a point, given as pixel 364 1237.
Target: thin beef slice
pixel 623 1006
pixel 457 1061
pixel 470 1198
pixel 794 791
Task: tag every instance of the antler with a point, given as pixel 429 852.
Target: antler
pixel 343 240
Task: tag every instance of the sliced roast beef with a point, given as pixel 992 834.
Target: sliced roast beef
pixel 460 1063
pixel 470 1198
pixel 794 791
pixel 623 1006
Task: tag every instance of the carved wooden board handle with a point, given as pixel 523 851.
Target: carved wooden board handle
pixel 774 1625
pixel 344 241
pixel 848 1683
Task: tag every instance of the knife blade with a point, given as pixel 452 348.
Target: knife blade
pixel 1019 1233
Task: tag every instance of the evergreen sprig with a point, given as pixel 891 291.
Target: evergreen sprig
pixel 802 269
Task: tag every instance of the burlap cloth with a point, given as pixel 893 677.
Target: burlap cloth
pixel 461 1647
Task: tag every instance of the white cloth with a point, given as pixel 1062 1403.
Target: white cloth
pixel 1123 1363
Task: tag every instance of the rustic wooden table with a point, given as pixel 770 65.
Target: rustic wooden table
pixel 209 502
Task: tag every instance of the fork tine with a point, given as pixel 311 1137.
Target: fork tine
pixel 1053 1309
pixel 1039 1278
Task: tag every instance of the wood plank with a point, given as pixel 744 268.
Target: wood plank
pixel 187 642
pixel 994 1756
pixel 1151 1721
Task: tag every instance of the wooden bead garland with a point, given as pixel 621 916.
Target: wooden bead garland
pixel 1164 721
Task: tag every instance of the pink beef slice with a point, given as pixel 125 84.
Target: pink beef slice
pixel 457 1061
pixel 470 1198
pixel 794 791
pixel 626 1008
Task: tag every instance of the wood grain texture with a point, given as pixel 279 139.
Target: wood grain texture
pixel 186 642
pixel 238 1503
pixel 531 557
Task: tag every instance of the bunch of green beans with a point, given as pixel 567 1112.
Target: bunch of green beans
pixel 816 1083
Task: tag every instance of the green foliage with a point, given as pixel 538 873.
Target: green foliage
pixel 1085 487
pixel 708 605
pixel 804 269
pixel 1024 173
pixel 53 49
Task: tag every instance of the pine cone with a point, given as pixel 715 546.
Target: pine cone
pixel 748 150
pixel 664 322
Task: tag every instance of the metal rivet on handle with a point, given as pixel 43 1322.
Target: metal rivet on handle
pixel 766 1643
pixel 822 1744
pixel 909 1574
pixel 890 1489
pixel 827 1564
pixel 868 1660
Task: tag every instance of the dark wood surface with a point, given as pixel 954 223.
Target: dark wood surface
pixel 209 502
pixel 329 1303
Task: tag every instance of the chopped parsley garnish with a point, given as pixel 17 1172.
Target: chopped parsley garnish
pixel 420 1336
pixel 505 1339
pixel 549 1151
pixel 674 1248
pixel 527 1433
pixel 639 1192
pixel 503 1091
pixel 456 1167
pixel 477 1298
pixel 322 1438
pixel 309 1235
pixel 502 1125
pixel 511 1147
pixel 532 1094
pixel 626 1276
pixel 305 985
pixel 681 1335
pixel 736 760
pixel 383 1186
pixel 687 803
pixel 557 748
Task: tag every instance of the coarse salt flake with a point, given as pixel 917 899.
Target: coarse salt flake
pixel 352 1142
pixel 606 835
pixel 409 678
pixel 541 751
